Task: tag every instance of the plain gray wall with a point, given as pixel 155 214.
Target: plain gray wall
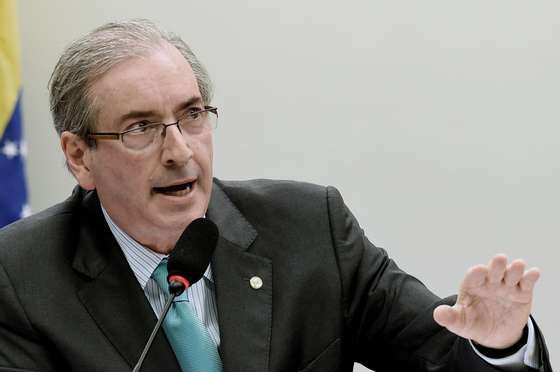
pixel 438 120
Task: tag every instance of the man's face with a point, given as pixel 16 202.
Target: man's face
pixel 144 191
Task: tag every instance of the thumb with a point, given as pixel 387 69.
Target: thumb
pixel 446 316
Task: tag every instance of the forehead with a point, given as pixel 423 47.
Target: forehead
pixel 158 82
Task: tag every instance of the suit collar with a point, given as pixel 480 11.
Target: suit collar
pixel 89 259
pixel 233 226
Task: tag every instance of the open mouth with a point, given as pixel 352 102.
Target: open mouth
pixel 175 190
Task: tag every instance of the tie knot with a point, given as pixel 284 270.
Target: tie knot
pixel 160 275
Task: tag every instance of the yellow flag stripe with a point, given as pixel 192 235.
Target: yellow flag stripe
pixel 10 70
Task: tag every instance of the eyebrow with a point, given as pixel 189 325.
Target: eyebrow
pixel 138 114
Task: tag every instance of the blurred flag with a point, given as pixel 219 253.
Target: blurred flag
pixel 13 190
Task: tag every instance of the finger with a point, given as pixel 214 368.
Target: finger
pixel 514 272
pixel 446 316
pixel 475 277
pixel 529 278
pixel 497 268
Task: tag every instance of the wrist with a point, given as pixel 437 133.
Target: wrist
pixel 502 353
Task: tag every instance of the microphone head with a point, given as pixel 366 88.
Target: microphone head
pixel 192 253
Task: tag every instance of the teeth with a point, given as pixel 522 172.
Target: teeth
pixel 178 190
pixel 178 193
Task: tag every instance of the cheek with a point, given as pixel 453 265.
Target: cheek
pixel 123 176
pixel 211 149
pixel 205 152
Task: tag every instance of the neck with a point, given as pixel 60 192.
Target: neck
pixel 164 243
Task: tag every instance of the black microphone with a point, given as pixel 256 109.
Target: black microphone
pixel 185 266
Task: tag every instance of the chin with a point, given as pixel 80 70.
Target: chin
pixel 181 221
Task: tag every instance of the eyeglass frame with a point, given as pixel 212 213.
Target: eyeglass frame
pixel 120 135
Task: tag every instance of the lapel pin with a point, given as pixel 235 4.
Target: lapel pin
pixel 256 282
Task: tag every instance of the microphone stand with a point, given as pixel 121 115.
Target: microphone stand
pixel 175 288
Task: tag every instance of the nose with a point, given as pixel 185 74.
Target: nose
pixel 175 150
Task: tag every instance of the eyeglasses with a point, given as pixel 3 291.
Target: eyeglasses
pixel 144 134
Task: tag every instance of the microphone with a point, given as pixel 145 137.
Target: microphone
pixel 192 253
pixel 185 266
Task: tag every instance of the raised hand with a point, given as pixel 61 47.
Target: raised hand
pixel 493 305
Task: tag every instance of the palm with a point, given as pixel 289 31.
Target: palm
pixel 494 303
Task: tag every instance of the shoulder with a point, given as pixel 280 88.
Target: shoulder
pixel 42 230
pixel 292 204
pixel 279 192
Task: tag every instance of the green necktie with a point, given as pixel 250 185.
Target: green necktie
pixel 188 337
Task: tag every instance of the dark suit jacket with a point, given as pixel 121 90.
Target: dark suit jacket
pixel 69 300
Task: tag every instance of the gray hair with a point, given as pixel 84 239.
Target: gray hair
pixel 85 60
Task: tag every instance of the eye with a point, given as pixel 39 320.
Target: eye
pixel 194 112
pixel 139 127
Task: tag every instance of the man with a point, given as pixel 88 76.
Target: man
pixel 293 285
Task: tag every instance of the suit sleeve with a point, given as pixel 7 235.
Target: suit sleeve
pixel 388 313
pixel 20 347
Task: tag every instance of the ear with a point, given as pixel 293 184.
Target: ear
pixel 78 158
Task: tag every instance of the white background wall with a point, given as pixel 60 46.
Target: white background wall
pixel 438 120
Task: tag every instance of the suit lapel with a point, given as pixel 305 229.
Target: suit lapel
pixel 112 295
pixel 244 313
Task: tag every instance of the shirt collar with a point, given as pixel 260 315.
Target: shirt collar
pixel 142 260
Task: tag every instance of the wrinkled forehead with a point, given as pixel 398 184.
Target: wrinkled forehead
pixel 160 82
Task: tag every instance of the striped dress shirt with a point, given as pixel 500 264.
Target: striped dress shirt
pixel 143 261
